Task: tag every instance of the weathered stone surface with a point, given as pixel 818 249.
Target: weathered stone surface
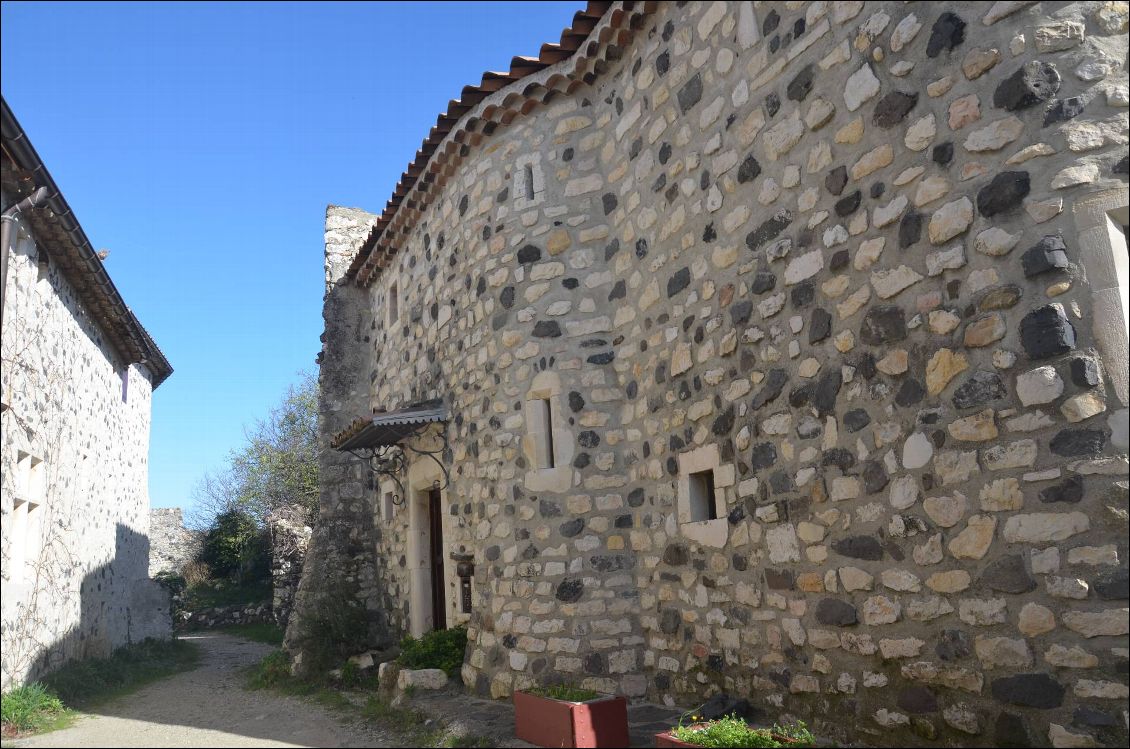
pixel 1008 574
pixel 859 547
pixel 861 86
pixel 1044 527
pixel 943 366
pixel 994 136
pixel 883 324
pixel 1048 254
pixel 974 541
pixel 1035 619
pixel 1034 82
pixel 1045 332
pixel 1109 623
pixel 1003 652
pixel 834 612
pixel 893 108
pixel 947 33
pixel 950 220
pixel 1003 194
pixel 981 387
pixel 1029 690
pixel 1038 386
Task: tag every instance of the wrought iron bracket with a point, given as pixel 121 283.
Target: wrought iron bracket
pixel 391 461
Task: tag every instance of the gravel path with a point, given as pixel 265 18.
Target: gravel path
pixel 209 707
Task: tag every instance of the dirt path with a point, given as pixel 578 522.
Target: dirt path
pixel 209 707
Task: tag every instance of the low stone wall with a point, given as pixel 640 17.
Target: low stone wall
pixel 225 616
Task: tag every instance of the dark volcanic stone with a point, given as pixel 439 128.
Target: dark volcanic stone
pixel 1004 193
pixel 1122 167
pixel 1070 491
pixel 947 33
pixel 669 621
pixel 763 281
pixel 917 700
pixel 772 386
pixel 676 555
pixel 576 401
pixel 802 294
pixel 769 229
pixel 740 312
pixel 1075 443
pixel 571 528
pixel 893 109
pixel 1049 254
pixel 801 84
pixel 663 63
pixel 1029 690
pixel 780 579
pixel 1089 716
pixel 859 547
pixel 547 329
pixel 836 180
pixel 911 391
pixel 1008 575
pixel 1045 332
pixel 827 388
pixel 611 562
pixel 529 254
pixel 856 419
pixel 1113 586
pixel 1034 82
pixel 953 645
pixel 982 387
pixel 763 455
pixel 678 282
pixel 910 229
pixel 609 202
pixel 840 458
pixel 690 93
pixel 569 590
pixel 839 261
pixel 847 206
pixel 942 154
pixel 819 325
pixel 884 323
pixel 769 25
pixel 1064 110
pixel 1085 372
pixel 1010 731
pixel 748 170
pixel 724 423
pixel 772 104
pixel 874 476
pixel 1000 297
pixel 835 612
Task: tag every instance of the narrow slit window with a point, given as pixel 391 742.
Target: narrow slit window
pixel 547 414
pixel 387 508
pixel 124 374
pixel 393 302
pixel 528 179
pixel 701 496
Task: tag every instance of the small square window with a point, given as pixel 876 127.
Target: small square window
pixel 700 496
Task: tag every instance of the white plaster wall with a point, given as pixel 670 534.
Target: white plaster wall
pixel 84 589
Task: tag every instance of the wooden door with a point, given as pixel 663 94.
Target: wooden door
pixel 435 540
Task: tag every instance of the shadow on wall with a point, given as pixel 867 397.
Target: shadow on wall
pixel 118 605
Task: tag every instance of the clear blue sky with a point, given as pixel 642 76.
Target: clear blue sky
pixel 200 144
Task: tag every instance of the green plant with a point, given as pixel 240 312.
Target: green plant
pixel 235 546
pixel 350 674
pixel 273 672
pixel 196 572
pixel 331 632
pixel 32 707
pixel 211 593
pixel 171 581
pixel 733 731
pixel 92 681
pixel 565 693
pixel 440 648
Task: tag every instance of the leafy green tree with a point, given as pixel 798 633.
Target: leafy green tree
pixel 235 546
pixel 276 468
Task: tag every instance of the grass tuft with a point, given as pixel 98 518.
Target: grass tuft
pixel 565 693
pixel 440 648
pixel 92 681
pixel 31 708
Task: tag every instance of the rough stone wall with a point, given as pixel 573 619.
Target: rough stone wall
pixel 290 541
pixel 84 589
pixel 341 561
pixel 835 252
pixel 171 545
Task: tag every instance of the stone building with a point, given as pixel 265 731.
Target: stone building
pixel 76 383
pixel 171 544
pixel 771 348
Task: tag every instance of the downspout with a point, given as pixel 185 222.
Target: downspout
pixel 7 229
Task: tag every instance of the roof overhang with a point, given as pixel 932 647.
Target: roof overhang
pixel 389 427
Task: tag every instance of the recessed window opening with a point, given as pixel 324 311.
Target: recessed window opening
pixel 701 496
pixel 393 304
pixel 547 421
pixel 123 373
pixel 528 180
pixel 387 507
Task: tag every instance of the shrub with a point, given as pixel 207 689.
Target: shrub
pixel 331 632
pixel 565 692
pixel 195 573
pixel 440 648
pixel 29 708
pixel 94 679
pixel 234 546
pixel 271 672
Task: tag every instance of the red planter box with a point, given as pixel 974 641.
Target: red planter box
pixel 554 723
